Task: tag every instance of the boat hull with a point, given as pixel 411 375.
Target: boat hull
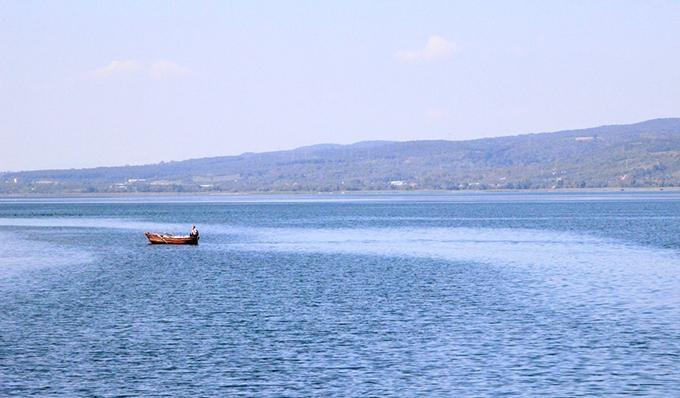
pixel 163 239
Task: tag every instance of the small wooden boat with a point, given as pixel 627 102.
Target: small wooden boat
pixel 163 239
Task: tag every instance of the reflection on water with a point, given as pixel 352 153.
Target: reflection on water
pixel 18 255
pixel 502 246
pixel 406 297
pixel 85 222
pixel 574 264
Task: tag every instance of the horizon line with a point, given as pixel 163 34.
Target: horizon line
pixel 3 172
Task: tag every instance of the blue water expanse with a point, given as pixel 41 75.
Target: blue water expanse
pixel 342 295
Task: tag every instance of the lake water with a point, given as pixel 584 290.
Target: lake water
pixel 345 295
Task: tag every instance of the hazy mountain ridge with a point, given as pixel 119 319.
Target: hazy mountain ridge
pixel 645 154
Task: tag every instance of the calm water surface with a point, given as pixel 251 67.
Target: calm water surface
pixel 373 295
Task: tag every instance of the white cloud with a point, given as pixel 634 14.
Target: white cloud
pixel 160 69
pixel 436 47
pixel 117 67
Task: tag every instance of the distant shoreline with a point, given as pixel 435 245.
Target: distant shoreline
pixel 338 193
pixel 644 156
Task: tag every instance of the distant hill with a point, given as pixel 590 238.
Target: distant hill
pixel 645 154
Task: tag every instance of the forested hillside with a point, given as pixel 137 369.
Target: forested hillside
pixel 645 154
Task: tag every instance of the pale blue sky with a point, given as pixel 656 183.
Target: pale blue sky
pixel 111 83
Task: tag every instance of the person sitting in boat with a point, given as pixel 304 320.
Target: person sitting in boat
pixel 194 232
